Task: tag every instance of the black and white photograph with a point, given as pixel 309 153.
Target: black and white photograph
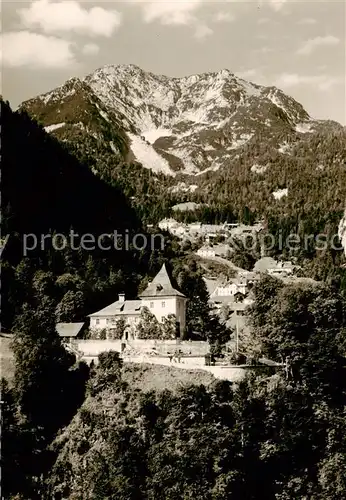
pixel 173 250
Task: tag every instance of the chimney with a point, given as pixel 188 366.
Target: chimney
pixel 121 297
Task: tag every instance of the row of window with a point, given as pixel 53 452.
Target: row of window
pixel 112 321
pixel 152 304
pixel 163 304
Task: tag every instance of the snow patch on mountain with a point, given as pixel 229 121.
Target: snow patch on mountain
pixel 342 232
pixel 213 168
pixel 184 155
pixel 259 169
pixel 114 148
pixel 250 88
pixel 304 128
pixel 280 193
pixel 153 134
pixel 182 187
pixel 189 109
pixel 79 125
pixel 103 114
pixel 50 128
pixel 285 148
pixel 274 99
pixel 203 120
pixel 61 92
pixel 243 139
pixel 147 155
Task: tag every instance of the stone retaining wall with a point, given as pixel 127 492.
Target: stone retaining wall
pixel 92 347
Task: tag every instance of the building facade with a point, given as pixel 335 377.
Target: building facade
pixel 159 297
pixel 206 252
pixel 163 300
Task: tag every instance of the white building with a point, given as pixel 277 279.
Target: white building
pixel 274 268
pixel 106 318
pixel 159 297
pixel 195 226
pixel 163 300
pixel 282 269
pixel 231 288
pixel 206 252
pixel 168 224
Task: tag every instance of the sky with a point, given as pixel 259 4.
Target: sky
pixel 298 46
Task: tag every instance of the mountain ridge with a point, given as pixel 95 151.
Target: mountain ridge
pixel 190 124
pixel 225 144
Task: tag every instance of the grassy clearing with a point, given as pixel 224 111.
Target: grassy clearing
pixel 149 377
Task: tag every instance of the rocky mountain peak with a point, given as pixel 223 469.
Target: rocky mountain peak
pixel 187 125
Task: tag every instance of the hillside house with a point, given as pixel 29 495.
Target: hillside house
pixel 243 229
pixel 274 268
pixel 159 297
pixel 70 331
pixel 234 305
pixel 163 300
pixel 107 318
pixel 231 288
pixel 206 252
pixel 168 224
pixel 282 269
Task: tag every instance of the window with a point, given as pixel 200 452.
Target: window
pixel 151 305
pixel 97 321
pixel 163 304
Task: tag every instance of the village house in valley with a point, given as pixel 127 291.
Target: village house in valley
pixel 160 298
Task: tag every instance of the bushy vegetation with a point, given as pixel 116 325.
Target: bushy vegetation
pixel 274 436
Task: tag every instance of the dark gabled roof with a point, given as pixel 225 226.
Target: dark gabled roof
pixel 118 308
pixel 69 329
pixel 161 286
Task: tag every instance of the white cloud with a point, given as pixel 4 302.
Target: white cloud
pixel 321 82
pixel 247 73
pixel 69 15
pixel 178 12
pixel 175 13
pixel 307 21
pixel 90 49
pixel 310 45
pixel 254 75
pixel 223 17
pixel 202 31
pixel 263 20
pixel 277 5
pixel 22 48
pixel 264 50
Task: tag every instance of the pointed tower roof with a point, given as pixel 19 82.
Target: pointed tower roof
pixel 161 286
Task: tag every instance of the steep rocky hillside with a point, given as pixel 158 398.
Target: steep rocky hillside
pixel 186 125
pixel 212 137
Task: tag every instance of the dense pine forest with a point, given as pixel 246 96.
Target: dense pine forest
pixel 46 190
